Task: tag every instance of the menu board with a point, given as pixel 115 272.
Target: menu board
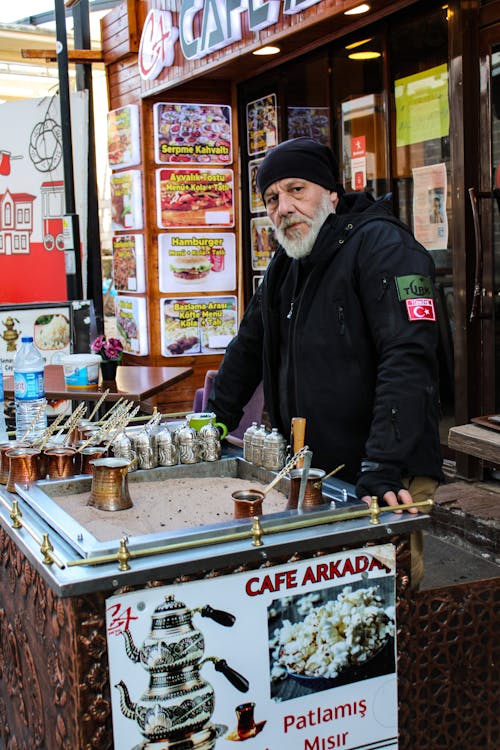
pixel 126 200
pixel 263 242
pixel 49 325
pixel 124 148
pixel 197 325
pixel 132 324
pixel 256 202
pixel 313 122
pixel 197 262
pixel 128 263
pixel 192 133
pixel 194 197
pixel 262 124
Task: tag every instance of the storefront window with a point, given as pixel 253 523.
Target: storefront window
pixel 379 98
pixel 495 234
pixel 307 100
pixel 421 160
pixel 360 115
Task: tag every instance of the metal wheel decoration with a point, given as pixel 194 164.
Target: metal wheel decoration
pixel 45 148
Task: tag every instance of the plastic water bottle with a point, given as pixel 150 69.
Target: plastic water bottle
pixel 3 427
pixel 29 391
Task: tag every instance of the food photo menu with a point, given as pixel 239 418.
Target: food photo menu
pixel 126 200
pixel 192 133
pixel 262 124
pixel 132 324
pixel 194 197
pixel 195 194
pixel 191 261
pixel 197 325
pixel 263 242
pixel 128 263
pixel 256 202
pixel 124 147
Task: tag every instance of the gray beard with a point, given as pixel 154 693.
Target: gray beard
pixel 301 246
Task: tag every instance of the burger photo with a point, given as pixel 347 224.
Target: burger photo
pixel 191 267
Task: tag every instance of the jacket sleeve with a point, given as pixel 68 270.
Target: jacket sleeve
pixel 241 370
pixel 394 271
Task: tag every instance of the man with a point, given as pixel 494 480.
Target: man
pixel 342 331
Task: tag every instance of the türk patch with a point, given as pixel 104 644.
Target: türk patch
pixel 413 286
pixel 420 309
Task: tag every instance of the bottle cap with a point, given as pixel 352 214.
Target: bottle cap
pixel 25 339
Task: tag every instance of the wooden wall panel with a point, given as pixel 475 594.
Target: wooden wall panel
pixel 119 32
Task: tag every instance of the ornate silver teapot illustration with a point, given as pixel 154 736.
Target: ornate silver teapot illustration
pixel 177 706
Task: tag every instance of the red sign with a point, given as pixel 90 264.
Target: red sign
pixel 358 146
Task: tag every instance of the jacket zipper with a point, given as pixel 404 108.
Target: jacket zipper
pixel 341 319
pixel 385 287
pixel 295 312
pixel 395 422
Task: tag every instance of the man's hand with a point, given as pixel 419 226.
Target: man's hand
pixel 403 497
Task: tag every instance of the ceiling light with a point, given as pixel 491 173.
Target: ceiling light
pixel 367 55
pixel 358 44
pixel 267 51
pixel 363 8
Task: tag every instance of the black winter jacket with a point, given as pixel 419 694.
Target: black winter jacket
pixel 332 338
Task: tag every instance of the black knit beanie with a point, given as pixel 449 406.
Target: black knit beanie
pixel 300 157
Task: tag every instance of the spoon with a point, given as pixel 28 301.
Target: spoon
pixel 303 480
pixel 289 465
pixel 331 474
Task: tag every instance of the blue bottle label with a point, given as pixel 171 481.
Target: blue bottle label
pixel 28 386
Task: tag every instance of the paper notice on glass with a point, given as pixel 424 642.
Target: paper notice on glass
pixel 430 222
pixel 358 171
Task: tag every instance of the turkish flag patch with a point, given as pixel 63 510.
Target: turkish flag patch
pixel 420 309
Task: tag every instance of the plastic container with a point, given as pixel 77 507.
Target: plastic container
pixel 29 390
pixel 81 370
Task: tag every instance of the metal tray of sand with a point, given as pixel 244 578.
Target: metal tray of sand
pixel 182 501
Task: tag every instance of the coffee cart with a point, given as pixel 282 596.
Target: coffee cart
pixel 63 589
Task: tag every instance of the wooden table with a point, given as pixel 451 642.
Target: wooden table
pixel 133 382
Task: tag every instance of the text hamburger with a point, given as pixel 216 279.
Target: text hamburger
pixel 191 267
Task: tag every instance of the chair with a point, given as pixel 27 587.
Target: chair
pixel 252 412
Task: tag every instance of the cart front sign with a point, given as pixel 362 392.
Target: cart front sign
pixel 301 656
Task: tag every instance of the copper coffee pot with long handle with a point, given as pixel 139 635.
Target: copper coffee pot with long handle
pixel 249 502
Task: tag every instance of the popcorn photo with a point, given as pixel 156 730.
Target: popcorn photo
pixel 324 638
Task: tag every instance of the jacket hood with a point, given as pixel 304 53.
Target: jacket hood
pixel 354 203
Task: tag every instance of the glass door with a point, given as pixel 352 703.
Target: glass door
pixel 485 205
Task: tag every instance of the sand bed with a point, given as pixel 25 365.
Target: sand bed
pixel 166 505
